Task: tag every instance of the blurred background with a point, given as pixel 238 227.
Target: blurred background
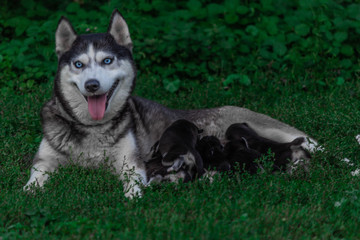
pixel 311 45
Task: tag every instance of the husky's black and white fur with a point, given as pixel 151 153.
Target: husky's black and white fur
pixel 92 115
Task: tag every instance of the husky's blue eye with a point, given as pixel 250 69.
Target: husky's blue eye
pixel 107 60
pixel 78 64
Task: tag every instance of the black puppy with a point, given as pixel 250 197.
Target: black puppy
pixel 212 153
pixel 235 155
pixel 284 152
pixel 241 157
pixel 177 152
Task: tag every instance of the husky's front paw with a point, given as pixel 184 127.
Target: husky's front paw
pixel 37 179
pixel 28 188
pixel 31 187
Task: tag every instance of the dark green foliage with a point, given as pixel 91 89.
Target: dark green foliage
pixel 194 41
pixel 294 60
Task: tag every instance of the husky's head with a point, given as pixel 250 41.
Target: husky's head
pixel 96 73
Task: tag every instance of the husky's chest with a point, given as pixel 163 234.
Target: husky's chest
pixel 103 146
pixel 91 145
pixel 105 142
pixel 97 143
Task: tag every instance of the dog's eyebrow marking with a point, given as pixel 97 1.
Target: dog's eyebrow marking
pixel 100 56
pixel 84 58
pixel 91 52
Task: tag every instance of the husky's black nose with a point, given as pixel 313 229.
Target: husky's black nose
pixel 92 85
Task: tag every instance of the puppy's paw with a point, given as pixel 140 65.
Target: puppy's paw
pixel 311 145
pixel 155 179
pixel 178 163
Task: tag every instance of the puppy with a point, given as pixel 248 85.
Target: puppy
pixel 212 153
pixel 241 157
pixel 157 173
pixel 286 154
pixel 176 151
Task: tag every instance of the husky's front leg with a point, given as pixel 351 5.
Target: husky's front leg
pixel 133 178
pixel 129 167
pixel 45 162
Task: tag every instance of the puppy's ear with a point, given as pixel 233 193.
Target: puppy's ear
pixel 65 36
pixel 245 142
pixel 119 30
pixel 297 150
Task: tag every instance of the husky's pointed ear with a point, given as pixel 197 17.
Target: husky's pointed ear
pixel 64 37
pixel 119 30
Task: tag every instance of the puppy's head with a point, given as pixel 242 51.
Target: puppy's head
pixel 296 156
pixel 239 130
pixel 209 147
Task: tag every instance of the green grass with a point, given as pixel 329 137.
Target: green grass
pixel 301 58
pixel 79 203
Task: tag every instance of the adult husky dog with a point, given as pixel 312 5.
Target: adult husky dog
pixel 92 115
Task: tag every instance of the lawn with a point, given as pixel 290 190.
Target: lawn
pixel 296 61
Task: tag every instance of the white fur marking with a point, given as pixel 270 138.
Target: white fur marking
pixel 125 165
pixel 174 178
pixel 189 159
pixel 48 163
pixel 84 58
pixel 176 165
pixel 91 52
pixel 38 176
pixel 157 179
pixel 100 56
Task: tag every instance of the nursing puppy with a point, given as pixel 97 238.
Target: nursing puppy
pixel 241 157
pixel 286 154
pixel 176 150
pixel 212 153
pixel 157 173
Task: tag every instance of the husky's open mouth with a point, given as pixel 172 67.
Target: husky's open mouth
pixel 98 104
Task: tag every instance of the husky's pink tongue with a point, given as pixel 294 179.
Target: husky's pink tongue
pixel 96 105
